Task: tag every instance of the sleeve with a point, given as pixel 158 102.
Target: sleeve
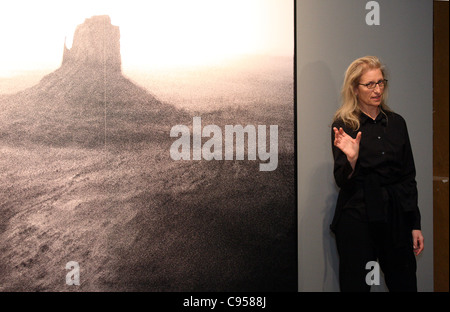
pixel 408 188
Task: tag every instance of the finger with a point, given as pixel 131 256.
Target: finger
pixel 418 250
pixel 341 134
pixel 336 131
pixel 418 245
pixel 421 244
pixel 416 240
pixel 358 137
pixel 337 136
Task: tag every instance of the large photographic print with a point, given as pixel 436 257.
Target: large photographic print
pixel 147 146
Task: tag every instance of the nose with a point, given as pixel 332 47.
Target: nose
pixel 377 88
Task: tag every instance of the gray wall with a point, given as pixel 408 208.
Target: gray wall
pixel 330 35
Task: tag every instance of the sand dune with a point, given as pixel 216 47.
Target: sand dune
pixel 140 222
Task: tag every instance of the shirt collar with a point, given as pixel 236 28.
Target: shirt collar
pixel 363 118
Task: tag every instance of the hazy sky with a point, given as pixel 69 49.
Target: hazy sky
pixel 153 32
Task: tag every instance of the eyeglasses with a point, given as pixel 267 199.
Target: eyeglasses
pixel 372 85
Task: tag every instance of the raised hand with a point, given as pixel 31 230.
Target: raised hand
pixel 348 145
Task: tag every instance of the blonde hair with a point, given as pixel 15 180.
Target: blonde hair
pixel 349 111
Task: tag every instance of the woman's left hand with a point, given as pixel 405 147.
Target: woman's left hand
pixel 417 241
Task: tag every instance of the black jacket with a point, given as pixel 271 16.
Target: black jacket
pixel 383 187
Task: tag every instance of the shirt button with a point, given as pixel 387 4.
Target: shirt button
pixel 382 153
pixel 379 138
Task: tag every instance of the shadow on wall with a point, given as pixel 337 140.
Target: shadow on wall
pixel 331 262
pixel 318 99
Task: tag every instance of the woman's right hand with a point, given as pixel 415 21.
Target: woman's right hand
pixel 348 145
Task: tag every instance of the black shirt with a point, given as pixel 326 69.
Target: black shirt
pixel 383 185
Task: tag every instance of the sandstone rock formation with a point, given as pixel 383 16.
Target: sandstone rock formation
pixel 96 43
pixel 87 101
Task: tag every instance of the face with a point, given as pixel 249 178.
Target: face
pixel 370 99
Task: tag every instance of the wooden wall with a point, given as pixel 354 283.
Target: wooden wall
pixel 440 145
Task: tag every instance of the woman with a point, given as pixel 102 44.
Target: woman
pixel 376 217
